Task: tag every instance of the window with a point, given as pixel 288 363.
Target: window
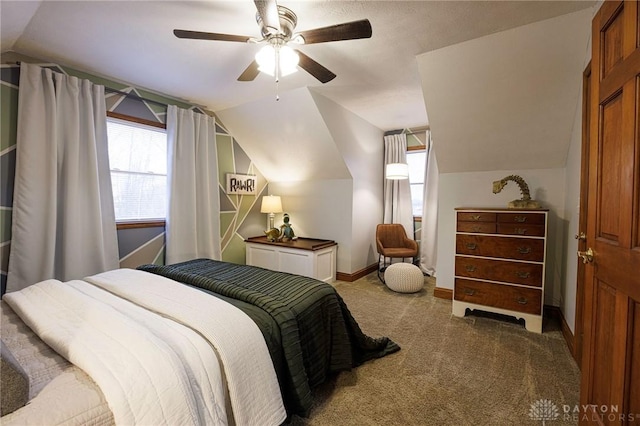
pixel 138 161
pixel 416 161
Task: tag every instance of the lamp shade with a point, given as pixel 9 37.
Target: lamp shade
pixel 271 204
pixel 397 171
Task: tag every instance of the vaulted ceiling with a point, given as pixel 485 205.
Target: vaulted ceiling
pixel 377 78
pixel 444 63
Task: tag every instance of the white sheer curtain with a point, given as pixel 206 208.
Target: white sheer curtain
pixel 397 194
pixel 63 222
pixel 193 213
pixel 429 234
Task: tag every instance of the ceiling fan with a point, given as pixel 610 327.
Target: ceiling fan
pixel 277 25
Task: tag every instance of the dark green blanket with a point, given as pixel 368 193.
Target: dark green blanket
pixel 319 335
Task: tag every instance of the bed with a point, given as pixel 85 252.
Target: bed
pixel 277 336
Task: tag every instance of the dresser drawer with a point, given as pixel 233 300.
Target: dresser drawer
pixel 476 217
pixel 522 218
pixel 478 227
pixel 504 247
pixel 499 270
pixel 520 299
pixel 521 229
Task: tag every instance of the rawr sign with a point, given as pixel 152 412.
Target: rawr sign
pixel 241 184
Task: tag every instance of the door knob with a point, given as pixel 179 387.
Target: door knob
pixel 581 236
pixel 586 256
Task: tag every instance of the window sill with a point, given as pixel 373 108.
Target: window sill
pixel 134 224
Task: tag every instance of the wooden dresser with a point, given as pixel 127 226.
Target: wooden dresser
pixel 500 263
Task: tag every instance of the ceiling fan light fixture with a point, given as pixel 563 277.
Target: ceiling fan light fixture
pixel 277 25
pixel 266 59
pixel 286 57
pixel 288 60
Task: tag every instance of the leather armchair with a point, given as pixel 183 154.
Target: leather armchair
pixel 392 242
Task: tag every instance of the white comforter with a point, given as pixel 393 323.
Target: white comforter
pixel 161 352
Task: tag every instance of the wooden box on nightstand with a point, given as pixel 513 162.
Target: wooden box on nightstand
pixel 500 263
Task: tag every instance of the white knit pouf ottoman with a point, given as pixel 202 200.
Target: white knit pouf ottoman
pixel 404 278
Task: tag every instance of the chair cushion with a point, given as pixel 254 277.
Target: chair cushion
pixel 398 252
pixel 404 278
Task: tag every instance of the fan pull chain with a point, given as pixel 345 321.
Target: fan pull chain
pixel 277 71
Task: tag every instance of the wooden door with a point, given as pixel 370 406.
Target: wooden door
pixel 611 352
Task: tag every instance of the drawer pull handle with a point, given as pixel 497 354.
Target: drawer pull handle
pixel 470 268
pixel 476 229
pixel 476 217
pixel 522 300
pixel 469 292
pixel 523 274
pixel 521 231
pixel 520 219
pixel 471 246
pixel 524 250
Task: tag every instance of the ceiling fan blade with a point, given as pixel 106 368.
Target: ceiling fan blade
pixel 250 73
pixel 314 68
pixel 347 31
pixel 268 11
pixel 198 35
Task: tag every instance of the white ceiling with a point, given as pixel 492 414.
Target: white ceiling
pixel 378 78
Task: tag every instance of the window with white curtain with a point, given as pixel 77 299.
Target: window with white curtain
pixel 138 162
pixel 416 161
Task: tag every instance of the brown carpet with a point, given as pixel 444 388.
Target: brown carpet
pixel 475 370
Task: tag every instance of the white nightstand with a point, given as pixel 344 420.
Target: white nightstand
pixel 310 257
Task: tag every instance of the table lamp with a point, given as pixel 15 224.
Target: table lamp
pixel 271 204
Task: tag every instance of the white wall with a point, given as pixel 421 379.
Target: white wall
pixel 516 111
pixel 572 209
pixel 474 189
pixel 567 300
pixel 325 162
pixel 506 99
pixel 361 146
pixel 320 209
pixel 338 196
pixel 288 139
pixel 344 210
